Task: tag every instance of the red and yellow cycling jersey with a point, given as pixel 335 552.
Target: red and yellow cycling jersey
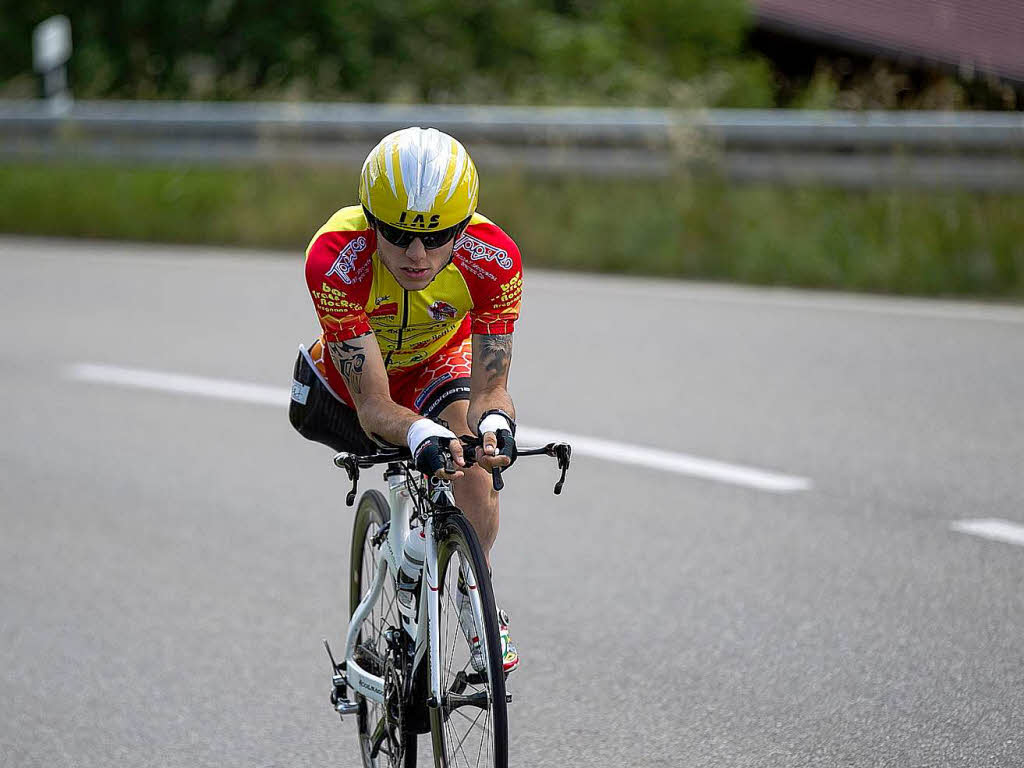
pixel 353 292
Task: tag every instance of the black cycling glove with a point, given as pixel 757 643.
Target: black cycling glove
pixel 497 420
pixel 507 446
pixel 426 439
pixel 430 457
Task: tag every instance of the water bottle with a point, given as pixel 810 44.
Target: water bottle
pixel 410 570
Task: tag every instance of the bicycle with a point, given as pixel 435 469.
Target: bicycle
pixel 404 645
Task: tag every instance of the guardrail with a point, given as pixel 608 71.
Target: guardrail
pixel 976 150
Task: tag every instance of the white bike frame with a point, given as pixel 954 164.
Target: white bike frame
pixel 389 559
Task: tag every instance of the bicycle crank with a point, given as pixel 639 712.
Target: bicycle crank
pixel 339 693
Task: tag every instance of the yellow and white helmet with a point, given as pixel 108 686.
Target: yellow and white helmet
pixel 419 180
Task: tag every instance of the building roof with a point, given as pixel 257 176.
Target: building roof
pixel 972 35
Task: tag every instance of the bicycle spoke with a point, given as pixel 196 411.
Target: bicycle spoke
pixel 480 749
pixel 490 739
pixel 471 720
pixel 463 739
pixel 469 736
pixel 458 748
pixel 458 622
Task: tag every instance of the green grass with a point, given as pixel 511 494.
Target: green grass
pixel 894 241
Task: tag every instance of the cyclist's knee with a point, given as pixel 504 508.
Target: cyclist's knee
pixel 476 497
pixel 476 490
pixel 455 416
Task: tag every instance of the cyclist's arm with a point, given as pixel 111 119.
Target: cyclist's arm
pixel 488 382
pixel 360 363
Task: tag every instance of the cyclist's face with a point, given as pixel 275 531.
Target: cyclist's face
pixel 414 267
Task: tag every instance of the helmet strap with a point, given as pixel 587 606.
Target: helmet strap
pixel 455 240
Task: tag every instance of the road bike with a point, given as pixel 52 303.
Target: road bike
pixel 407 661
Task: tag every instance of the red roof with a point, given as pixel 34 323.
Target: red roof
pixel 982 35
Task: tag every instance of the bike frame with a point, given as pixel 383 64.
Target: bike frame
pixel 424 632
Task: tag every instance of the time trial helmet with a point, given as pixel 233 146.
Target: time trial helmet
pixel 419 180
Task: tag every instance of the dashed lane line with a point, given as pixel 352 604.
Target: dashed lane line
pixel 992 528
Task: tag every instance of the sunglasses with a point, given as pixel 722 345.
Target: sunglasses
pixel 403 238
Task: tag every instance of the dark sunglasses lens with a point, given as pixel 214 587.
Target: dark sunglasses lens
pixel 437 239
pixel 396 236
pixel 403 238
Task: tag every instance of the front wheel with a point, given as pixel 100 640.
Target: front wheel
pixel 470 727
pixel 384 739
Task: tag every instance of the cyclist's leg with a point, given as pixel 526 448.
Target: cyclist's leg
pixel 476 497
pixel 474 491
pixel 317 413
pixel 441 392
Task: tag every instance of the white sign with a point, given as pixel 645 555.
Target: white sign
pixel 51 43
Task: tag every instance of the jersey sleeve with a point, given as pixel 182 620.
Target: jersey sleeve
pixel 339 277
pixel 493 269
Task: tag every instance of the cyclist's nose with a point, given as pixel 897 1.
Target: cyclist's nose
pixel 416 250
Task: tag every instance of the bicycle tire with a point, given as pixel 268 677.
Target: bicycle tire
pixel 457 540
pixel 372 514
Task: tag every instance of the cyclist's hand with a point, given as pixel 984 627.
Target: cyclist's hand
pixel 499 450
pixel 456 451
pixel 498 442
pixel 435 449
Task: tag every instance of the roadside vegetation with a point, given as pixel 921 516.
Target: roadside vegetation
pixel 439 51
pixel 675 53
pixel 696 226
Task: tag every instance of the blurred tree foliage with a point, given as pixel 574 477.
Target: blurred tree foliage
pixel 655 52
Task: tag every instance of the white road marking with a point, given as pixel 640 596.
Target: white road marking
pixel 623 453
pixel 786 298
pixel 680 463
pixel 992 528
pixel 222 389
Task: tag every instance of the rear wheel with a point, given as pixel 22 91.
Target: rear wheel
pixel 470 728
pixel 384 741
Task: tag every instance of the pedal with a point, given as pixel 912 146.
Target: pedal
pixel 345 707
pixel 338 693
pixel 339 701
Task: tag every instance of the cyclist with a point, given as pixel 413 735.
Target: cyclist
pixel 417 295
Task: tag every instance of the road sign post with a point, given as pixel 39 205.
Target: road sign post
pixel 51 49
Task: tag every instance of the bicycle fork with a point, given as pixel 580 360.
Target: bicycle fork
pixel 430 594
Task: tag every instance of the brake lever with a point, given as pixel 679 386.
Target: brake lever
pixel 562 452
pixel 469 445
pixel 350 464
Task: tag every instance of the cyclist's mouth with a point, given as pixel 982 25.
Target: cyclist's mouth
pixel 416 272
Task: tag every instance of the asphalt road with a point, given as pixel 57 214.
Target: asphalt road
pixel 169 563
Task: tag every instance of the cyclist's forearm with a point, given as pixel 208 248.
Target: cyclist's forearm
pixel 381 417
pixel 360 363
pixel 492 356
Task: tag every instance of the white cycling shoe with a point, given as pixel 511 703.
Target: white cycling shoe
pixel 509 654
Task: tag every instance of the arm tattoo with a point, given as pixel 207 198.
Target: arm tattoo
pixel 349 360
pixel 496 356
